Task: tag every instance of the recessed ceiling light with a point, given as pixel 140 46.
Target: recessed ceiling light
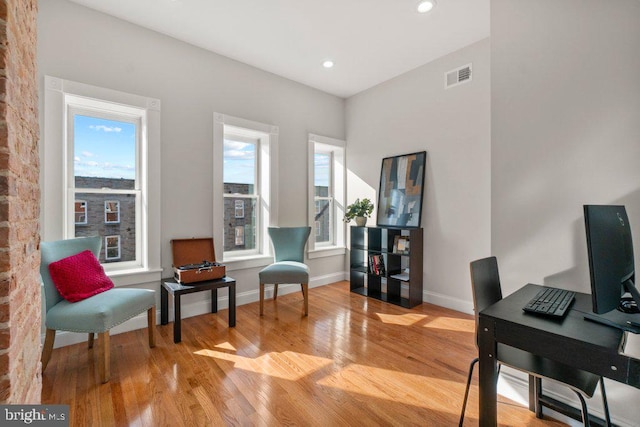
pixel 425 6
pixel 328 63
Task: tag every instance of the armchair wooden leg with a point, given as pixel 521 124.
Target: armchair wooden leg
pixel 105 357
pixel 47 348
pixel 261 299
pixel 305 294
pixel 275 291
pixel 91 337
pixel 151 324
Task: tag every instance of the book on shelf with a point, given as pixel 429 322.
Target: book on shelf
pixel 401 245
pixel 376 265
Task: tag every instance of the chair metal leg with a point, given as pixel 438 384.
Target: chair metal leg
pixel 261 299
pixel 275 291
pixel 305 294
pixel 605 404
pixel 151 326
pixel 585 411
pixel 466 392
pixel 90 341
pixel 105 357
pixel 47 348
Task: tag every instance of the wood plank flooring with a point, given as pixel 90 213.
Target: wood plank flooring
pixel 352 362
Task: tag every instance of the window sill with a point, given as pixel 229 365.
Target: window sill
pixel 241 263
pixel 326 252
pixel 134 276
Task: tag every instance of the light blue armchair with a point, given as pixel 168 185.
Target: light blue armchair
pixel 96 314
pixel 288 245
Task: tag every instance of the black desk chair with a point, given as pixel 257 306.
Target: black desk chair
pixel 485 284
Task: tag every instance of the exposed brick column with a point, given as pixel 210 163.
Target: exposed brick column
pixel 20 304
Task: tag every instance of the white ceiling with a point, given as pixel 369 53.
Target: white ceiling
pixel 370 41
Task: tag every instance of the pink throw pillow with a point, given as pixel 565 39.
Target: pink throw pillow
pixel 79 276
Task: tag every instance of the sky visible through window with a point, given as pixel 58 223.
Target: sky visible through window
pixel 322 170
pixel 104 148
pixel 239 162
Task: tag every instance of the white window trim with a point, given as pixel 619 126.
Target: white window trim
pixel 338 149
pixel 106 248
pixel 106 203
pixel 268 214
pixel 57 93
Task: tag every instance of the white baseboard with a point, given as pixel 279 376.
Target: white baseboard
pixel 448 302
pixel 516 388
pixel 64 338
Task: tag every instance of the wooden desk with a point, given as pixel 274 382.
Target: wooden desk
pixel 170 286
pixel 574 341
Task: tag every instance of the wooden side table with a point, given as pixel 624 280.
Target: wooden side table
pixel 170 286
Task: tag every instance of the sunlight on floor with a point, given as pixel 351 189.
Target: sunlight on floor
pixel 287 365
pixel 225 346
pixel 401 319
pixel 391 385
pixel 451 324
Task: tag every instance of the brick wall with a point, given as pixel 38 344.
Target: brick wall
pixel 246 221
pixel 20 305
pixel 96 225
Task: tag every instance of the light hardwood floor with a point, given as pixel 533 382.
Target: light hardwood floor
pixel 352 361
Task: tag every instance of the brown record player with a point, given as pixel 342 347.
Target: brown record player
pixel 194 260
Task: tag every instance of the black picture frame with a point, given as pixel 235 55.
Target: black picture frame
pixel 401 190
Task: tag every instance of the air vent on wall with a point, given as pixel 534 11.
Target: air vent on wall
pixel 458 76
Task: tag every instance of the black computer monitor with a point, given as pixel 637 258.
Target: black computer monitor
pixel 611 262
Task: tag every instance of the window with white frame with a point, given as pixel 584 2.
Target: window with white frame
pixel 111 211
pixel 241 181
pixel 80 212
pixel 239 209
pixel 244 175
pixel 323 195
pixel 239 235
pixel 326 194
pixel 111 247
pixel 111 143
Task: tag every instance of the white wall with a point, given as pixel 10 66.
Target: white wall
pixel 82 45
pixel 565 132
pixel 414 112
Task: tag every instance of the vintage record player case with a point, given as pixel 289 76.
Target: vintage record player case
pixel 194 260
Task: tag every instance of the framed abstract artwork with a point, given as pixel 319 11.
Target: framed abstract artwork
pixel 401 188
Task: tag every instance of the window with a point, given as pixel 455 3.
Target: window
pixel 239 235
pixel 80 212
pixel 112 247
pixel 244 203
pixel 323 198
pixel 111 142
pixel 111 212
pixel 239 209
pixel 241 181
pixel 326 195
pixel 104 146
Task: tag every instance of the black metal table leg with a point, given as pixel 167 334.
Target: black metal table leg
pixel 164 306
pixel 177 331
pixel 488 373
pixel 232 304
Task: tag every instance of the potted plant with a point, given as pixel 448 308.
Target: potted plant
pixel 360 210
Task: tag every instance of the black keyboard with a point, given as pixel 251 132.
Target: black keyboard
pixel 550 302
